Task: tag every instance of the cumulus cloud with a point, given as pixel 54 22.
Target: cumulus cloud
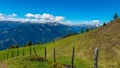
pixel 91 22
pixel 96 21
pixel 35 18
pixel 42 18
pixel 59 18
pixel 29 15
pixel 45 17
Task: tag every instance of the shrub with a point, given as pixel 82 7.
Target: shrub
pixel 11 47
pixel 17 46
pixel 29 43
pixel 104 24
pixel 87 30
pixel 36 58
pixel 82 31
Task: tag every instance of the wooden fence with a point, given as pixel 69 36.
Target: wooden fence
pixel 12 52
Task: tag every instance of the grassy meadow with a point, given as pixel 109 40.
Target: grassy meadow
pixel 106 38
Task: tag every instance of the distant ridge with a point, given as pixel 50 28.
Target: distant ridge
pixel 21 33
pixel 105 38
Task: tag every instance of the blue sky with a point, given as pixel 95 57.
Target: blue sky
pixel 77 11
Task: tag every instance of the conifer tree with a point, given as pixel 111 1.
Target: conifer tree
pixel 116 16
pixel 104 24
pixel 87 30
pixel 82 31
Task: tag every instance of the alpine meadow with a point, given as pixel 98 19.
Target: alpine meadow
pixel 59 34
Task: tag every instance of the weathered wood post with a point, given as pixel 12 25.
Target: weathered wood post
pixel 35 51
pixel 0 56
pixel 72 62
pixel 18 52
pixel 23 51
pixel 12 54
pixel 45 52
pixel 7 54
pixel 4 56
pixel 30 44
pixel 30 51
pixel 54 56
pixel 96 58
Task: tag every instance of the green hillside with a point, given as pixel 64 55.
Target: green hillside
pixel 106 38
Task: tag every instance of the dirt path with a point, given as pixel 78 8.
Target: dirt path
pixel 3 65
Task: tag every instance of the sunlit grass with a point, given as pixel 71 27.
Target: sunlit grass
pixel 105 38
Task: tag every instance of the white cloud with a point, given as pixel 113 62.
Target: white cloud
pixel 59 18
pixel 45 17
pixel 96 21
pixel 29 15
pixel 1 15
pixel 35 18
pixel 92 22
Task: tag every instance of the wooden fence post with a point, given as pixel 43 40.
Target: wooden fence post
pixel 12 54
pixel 23 52
pixel 7 54
pixel 54 55
pixel 30 50
pixel 45 53
pixel 96 58
pixel 18 52
pixel 35 51
pixel 0 56
pixel 4 56
pixel 72 62
pixel 30 44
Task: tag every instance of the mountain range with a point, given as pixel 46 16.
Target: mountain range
pixel 105 38
pixel 14 32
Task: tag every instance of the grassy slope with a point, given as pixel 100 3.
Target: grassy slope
pixel 105 38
